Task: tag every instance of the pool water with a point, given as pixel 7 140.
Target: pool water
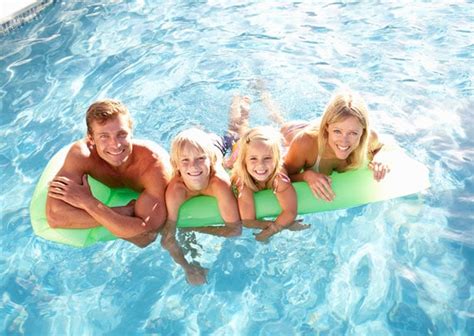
pixel 400 267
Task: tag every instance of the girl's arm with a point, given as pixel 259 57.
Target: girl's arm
pixel 302 153
pixel 286 196
pixel 247 210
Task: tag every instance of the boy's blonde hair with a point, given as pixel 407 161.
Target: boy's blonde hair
pixel 196 138
pixel 269 136
pixel 345 104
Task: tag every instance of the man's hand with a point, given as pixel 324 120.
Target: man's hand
pixel 67 190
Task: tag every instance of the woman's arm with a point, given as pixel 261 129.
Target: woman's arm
pixel 302 154
pixel 378 164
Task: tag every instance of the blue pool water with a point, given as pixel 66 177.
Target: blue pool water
pixel 400 267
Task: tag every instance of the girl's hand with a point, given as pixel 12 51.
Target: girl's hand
pixel 379 169
pixel 268 232
pixel 320 185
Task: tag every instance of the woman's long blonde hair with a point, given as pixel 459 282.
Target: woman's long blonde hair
pixel 196 138
pixel 345 104
pixel 269 136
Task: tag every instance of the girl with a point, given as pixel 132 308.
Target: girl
pixel 197 170
pixel 343 141
pixel 259 166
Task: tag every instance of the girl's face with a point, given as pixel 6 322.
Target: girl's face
pixel 260 161
pixel 344 136
pixel 194 166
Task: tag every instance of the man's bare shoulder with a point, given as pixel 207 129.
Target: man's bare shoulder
pixel 80 149
pixel 150 148
pixel 79 154
pixel 152 159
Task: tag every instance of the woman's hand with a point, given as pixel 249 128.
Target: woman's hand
pixel 320 185
pixel 379 169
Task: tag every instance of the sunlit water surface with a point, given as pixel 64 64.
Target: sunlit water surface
pixel 401 267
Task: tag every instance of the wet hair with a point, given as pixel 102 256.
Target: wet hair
pixel 270 137
pixel 102 111
pixel 345 104
pixel 197 139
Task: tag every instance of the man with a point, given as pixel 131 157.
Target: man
pixel 109 155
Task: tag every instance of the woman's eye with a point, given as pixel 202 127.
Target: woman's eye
pixel 267 158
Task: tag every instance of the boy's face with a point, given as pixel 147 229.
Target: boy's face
pixel 195 167
pixel 113 140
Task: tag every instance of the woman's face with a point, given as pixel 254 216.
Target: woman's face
pixel 344 136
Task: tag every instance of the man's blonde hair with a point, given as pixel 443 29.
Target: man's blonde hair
pixel 102 111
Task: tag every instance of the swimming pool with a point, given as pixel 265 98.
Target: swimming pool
pixel 403 266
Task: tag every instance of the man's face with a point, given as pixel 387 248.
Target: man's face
pixel 113 140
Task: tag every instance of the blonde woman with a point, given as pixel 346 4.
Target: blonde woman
pixel 342 141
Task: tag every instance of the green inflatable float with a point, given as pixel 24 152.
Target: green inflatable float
pixel 352 188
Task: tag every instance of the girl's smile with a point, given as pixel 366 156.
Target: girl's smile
pixel 260 161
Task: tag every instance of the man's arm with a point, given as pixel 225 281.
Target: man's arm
pixel 149 212
pixel 59 213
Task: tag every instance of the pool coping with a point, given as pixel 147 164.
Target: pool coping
pixel 19 17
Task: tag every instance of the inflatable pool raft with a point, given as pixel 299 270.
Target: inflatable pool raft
pixel 352 188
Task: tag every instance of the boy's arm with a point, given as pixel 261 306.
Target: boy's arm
pixel 228 209
pixel 195 274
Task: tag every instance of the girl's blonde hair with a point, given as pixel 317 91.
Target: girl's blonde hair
pixel 269 136
pixel 345 104
pixel 196 138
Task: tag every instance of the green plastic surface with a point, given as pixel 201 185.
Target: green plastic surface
pixel 352 188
